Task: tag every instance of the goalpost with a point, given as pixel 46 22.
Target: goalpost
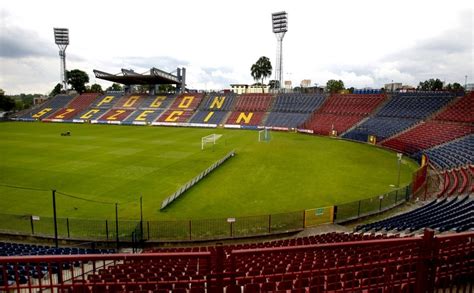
pixel 264 135
pixel 209 139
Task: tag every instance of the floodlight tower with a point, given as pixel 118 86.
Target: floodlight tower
pixel 61 38
pixel 280 27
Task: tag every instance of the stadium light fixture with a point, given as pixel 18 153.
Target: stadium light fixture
pixel 280 27
pixel 61 38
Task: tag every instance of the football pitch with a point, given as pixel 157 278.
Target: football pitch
pixel 99 165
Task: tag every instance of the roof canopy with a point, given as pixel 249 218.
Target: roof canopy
pixel 129 77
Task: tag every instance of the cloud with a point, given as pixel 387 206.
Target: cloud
pixel 16 42
pixel 29 58
pixel 28 75
pixel 210 78
pixel 447 56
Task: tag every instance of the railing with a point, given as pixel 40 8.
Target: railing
pixel 198 229
pixel 377 204
pixel 412 264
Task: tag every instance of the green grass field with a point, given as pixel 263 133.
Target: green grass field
pixel 121 163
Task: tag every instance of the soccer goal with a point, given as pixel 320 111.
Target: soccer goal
pixel 209 139
pixel 264 135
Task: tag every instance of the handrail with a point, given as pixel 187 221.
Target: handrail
pixel 405 240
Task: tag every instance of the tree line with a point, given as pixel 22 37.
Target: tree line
pixel 260 70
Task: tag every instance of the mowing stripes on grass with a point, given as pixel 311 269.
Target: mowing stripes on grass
pixel 123 163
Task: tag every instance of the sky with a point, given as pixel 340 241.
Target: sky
pixel 365 43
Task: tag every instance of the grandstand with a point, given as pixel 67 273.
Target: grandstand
pixel 344 262
pixel 455 153
pixel 214 109
pixel 292 110
pixel 389 255
pixel 401 112
pixel 456 214
pixel 46 109
pixel 340 112
pixel 78 104
pixel 181 109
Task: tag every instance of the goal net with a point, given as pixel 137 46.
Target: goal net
pixel 209 139
pixel 264 135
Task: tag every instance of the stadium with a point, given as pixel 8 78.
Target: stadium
pixel 142 190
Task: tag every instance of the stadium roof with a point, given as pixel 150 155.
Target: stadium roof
pixel 129 77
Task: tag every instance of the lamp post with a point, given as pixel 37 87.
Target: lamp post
pixel 399 157
pixel 61 38
pixel 280 27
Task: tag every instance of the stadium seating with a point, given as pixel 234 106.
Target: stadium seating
pixel 115 115
pixel 288 120
pixel 130 101
pixel 36 270
pixel 49 107
pixel 455 214
pixel 340 112
pixel 182 108
pixel 426 135
pixel 209 117
pixel 297 103
pixel 246 118
pixel 143 116
pixel 106 101
pixel 91 114
pixel 331 237
pixel 415 105
pixel 453 154
pixel 214 108
pixel 157 102
pixel 351 263
pixel 218 102
pixel 452 182
pixel 381 127
pixel 451 123
pixel 401 112
pixel 76 106
pixel 460 111
pixel 188 102
pixel 14 249
pixel 291 110
pixel 253 103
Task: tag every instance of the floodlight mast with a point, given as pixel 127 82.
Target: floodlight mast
pixel 61 38
pixel 280 27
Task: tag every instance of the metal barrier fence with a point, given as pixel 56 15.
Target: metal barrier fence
pixel 365 207
pixel 200 229
pixel 411 264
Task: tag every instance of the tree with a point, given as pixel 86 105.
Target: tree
pixel 334 86
pixel 115 87
pixel 96 88
pixel 274 84
pixel 56 91
pixel 261 69
pixel 77 79
pixel 430 85
pixel 456 87
pixel 166 88
pixel 6 103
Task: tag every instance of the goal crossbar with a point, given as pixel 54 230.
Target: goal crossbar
pixel 212 138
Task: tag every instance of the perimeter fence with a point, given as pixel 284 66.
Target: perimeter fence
pixel 125 230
